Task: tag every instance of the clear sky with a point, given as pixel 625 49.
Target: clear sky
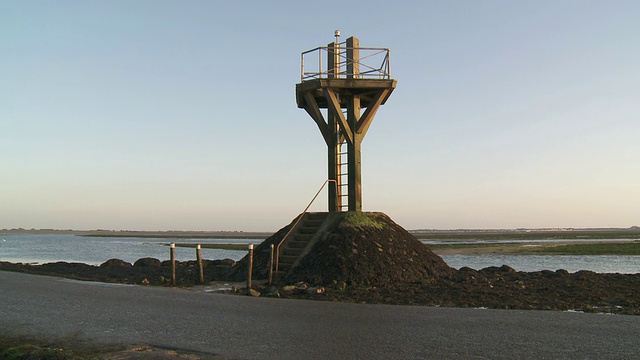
pixel 181 115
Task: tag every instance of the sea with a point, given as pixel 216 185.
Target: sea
pixel 45 248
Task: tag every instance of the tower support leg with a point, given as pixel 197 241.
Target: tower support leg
pixel 355 173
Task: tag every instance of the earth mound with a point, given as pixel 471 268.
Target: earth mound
pixel 356 249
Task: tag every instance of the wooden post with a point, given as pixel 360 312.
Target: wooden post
pixel 333 71
pixel 271 266
pixel 333 60
pixel 333 150
pixel 355 175
pixel 353 58
pixel 199 259
pixel 353 118
pixel 250 267
pixel 172 256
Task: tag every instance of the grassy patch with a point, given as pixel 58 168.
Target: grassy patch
pixel 27 351
pixel 602 248
pixel 17 348
pixel 360 219
pixel 467 246
pixel 594 249
pixel 77 349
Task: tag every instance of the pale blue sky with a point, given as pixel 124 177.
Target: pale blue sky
pixel 167 115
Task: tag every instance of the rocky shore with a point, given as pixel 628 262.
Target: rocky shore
pixel 367 258
pixel 494 287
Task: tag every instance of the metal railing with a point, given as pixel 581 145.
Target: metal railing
pixel 304 212
pixel 373 63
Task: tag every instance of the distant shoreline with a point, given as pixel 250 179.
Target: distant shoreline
pixel 147 234
pixel 442 235
pixel 528 234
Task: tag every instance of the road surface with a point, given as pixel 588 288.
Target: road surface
pixel 230 327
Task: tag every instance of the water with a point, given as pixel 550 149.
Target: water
pixel 629 264
pixel 43 248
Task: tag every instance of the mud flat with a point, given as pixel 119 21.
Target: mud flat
pixel 594 247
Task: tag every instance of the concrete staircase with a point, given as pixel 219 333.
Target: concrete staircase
pixel 298 243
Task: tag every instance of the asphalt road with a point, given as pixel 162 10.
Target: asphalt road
pixel 246 328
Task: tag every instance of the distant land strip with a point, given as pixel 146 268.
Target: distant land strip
pixel 148 234
pixel 578 234
pixel 442 235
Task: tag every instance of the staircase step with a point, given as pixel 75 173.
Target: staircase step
pixel 295 244
pixel 317 216
pixel 279 274
pixel 292 251
pixel 284 268
pixel 303 237
pixel 287 259
pixel 314 223
pixel 308 230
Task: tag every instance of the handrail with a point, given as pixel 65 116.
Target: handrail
pixel 374 63
pixel 298 220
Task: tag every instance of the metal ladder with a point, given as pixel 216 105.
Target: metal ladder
pixel 342 176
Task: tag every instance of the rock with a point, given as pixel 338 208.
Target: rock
pixel 253 292
pixel 223 262
pixel 490 269
pixel 585 274
pixel 315 290
pixel 147 262
pixel 289 288
pixel 547 273
pixel 115 263
pixel 145 282
pixel 507 269
pixel 274 294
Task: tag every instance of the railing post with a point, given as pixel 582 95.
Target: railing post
pixel 172 257
pixel 199 260
pixel 388 65
pixel 271 266
pixel 250 267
